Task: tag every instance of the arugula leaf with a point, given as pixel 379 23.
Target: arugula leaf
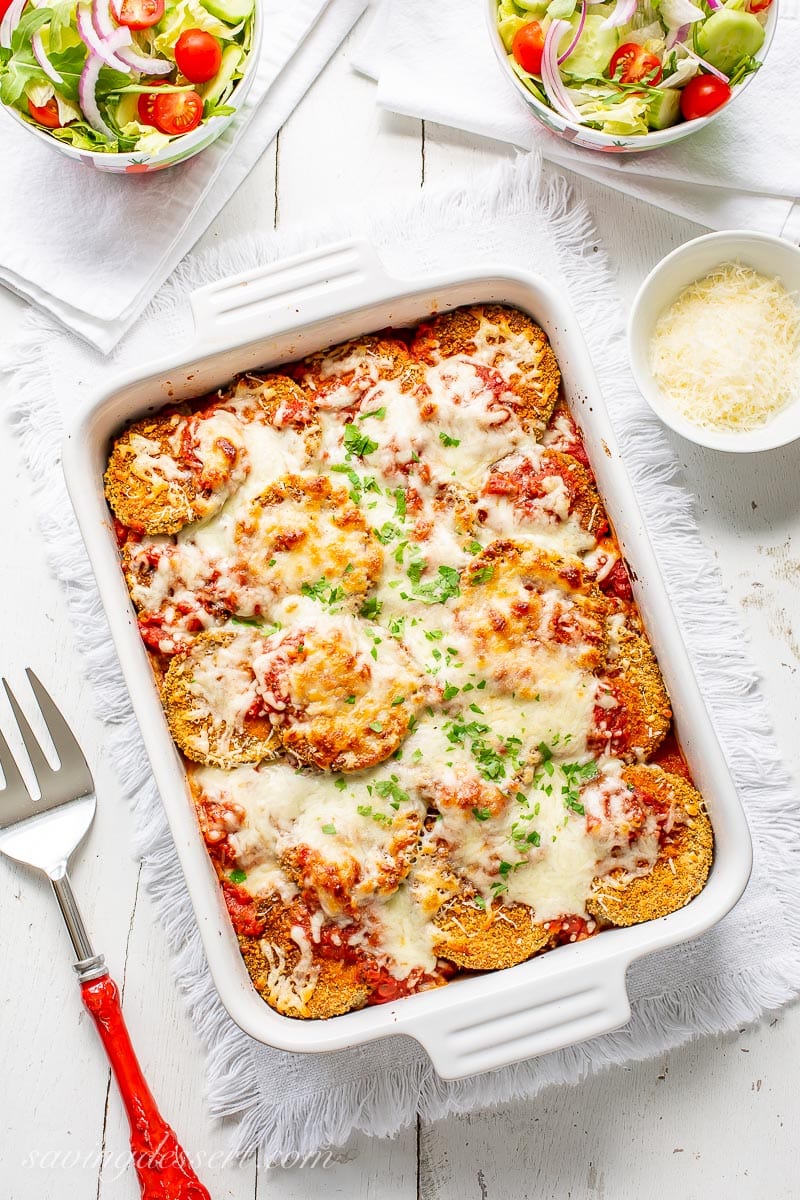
pixel 70 63
pixel 110 82
pixel 21 67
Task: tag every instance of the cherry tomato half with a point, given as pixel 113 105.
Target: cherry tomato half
pixel 198 55
pixel 177 112
pixel 146 106
pixel 140 14
pixel 527 47
pixel 754 6
pixel 47 114
pixel 703 95
pixel 635 64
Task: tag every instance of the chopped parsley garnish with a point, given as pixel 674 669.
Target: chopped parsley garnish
pixel 450 691
pixel 415 570
pixel 340 783
pixel 397 626
pixel 397 700
pixel 576 775
pixel 433 635
pixel 400 502
pixel 387 533
pixel 376 726
pixel 237 876
pixel 358 443
pixel 324 592
pixel 474 547
pixel 350 700
pixel 474 708
pixel 441 588
pixel 358 485
pixel 482 575
pixel 446 440
pixel 389 789
pixel 378 413
pixel 481 814
pixel 371 608
pixel 328 829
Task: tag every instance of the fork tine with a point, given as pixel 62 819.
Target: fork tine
pixel 41 767
pixel 14 781
pixel 69 753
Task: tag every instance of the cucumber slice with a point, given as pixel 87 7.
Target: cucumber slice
pixel 213 90
pixel 232 12
pixel 591 56
pixel 727 36
pixel 127 110
pixel 664 108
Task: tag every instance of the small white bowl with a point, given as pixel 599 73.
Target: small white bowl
pixel 178 150
pixel 593 139
pixel 770 256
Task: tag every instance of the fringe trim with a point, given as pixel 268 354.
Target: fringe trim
pixel 373 1099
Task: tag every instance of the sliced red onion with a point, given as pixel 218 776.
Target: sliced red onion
pixel 715 4
pixel 143 63
pixel 676 35
pixel 706 65
pixel 11 21
pixel 103 48
pixel 115 9
pixel 101 19
pixel 551 76
pixel 87 85
pixel 576 39
pixel 621 15
pixel 40 55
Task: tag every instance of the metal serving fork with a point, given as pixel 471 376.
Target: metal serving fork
pixel 44 834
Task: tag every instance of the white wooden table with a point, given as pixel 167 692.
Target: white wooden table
pixel 716 1119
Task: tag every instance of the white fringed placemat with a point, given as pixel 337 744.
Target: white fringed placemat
pixel 294 1104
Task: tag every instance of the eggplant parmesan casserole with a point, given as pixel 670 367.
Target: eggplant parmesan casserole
pixel 396 643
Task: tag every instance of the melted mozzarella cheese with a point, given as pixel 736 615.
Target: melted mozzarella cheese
pixel 476 760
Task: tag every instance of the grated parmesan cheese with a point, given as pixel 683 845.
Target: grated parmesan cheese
pixel 725 353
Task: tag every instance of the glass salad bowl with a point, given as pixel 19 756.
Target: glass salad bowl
pixel 84 89
pixel 629 41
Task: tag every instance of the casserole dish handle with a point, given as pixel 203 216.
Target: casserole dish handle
pixel 287 294
pixel 530 1017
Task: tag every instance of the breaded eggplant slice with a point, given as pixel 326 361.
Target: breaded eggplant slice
pixel 278 401
pixel 301 534
pixel 212 702
pixel 295 981
pixel 522 608
pixel 502 339
pixel 563 434
pixel 336 706
pixel 175 590
pixel 632 713
pixel 548 487
pixel 683 862
pixel 342 376
pixel 170 470
pixel 487 939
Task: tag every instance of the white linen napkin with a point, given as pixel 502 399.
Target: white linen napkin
pixel 295 1104
pixel 435 62
pixel 93 248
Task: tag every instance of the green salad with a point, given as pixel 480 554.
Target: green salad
pixel 115 76
pixel 632 66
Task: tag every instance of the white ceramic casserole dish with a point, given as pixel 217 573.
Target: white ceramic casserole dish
pixel 271 316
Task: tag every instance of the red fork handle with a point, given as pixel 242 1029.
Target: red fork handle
pixel 164 1170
